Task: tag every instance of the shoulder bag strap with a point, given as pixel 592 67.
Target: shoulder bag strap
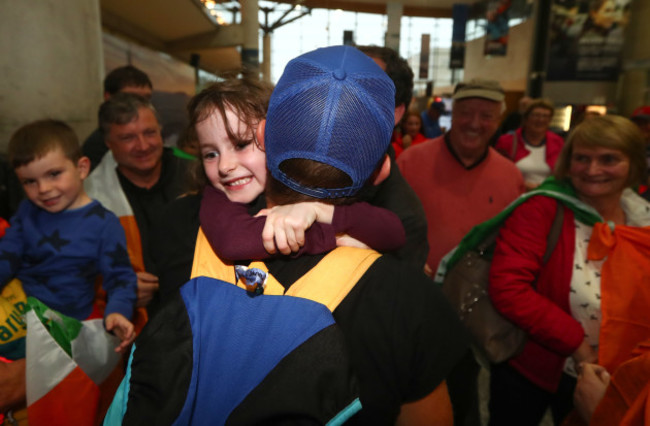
pixel 554 233
pixel 514 145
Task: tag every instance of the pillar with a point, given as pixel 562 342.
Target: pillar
pixel 51 62
pixel 634 82
pixel 266 54
pixel 538 49
pixel 394 13
pixel 250 50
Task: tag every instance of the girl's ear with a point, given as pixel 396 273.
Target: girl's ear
pixel 259 133
pixel 83 165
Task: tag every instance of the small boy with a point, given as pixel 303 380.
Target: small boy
pixel 60 239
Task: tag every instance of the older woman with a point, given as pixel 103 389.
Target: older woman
pixel 559 303
pixel 533 147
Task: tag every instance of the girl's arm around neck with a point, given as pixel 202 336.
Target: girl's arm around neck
pixel 236 235
pixel 379 228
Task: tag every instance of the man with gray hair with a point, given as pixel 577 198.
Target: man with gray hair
pixel 136 179
pixel 460 180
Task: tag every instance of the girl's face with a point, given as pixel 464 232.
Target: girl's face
pixel 236 167
pixel 413 125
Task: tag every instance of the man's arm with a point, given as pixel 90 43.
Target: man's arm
pixel 590 389
pixel 12 385
pixel 432 410
pixel 12 244
pixel 147 288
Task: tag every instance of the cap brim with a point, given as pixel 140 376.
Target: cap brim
pixel 490 95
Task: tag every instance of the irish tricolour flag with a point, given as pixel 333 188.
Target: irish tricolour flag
pixel 66 361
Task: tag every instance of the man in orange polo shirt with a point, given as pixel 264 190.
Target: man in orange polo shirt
pixel 459 178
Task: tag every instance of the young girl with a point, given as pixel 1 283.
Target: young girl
pixel 224 118
pixel 411 134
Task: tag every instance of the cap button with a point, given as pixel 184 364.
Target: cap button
pixel 339 74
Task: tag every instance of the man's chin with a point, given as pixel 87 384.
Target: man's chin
pixel 147 166
pixel 472 144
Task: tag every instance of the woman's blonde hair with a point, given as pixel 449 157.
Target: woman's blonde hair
pixel 606 131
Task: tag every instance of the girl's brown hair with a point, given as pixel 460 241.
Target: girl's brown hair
pixel 247 98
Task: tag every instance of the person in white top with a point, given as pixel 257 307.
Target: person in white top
pixel 533 147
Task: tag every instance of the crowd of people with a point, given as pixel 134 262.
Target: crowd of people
pixel 277 267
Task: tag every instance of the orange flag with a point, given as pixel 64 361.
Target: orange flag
pixel 625 290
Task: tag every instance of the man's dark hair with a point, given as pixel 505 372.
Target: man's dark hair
pixel 122 108
pixel 309 173
pixel 125 76
pixel 397 69
pixel 34 140
pixel 313 174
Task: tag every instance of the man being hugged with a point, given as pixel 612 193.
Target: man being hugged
pixel 328 127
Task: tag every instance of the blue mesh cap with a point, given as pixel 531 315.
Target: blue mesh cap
pixel 335 106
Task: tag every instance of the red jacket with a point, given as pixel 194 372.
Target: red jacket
pixel 554 145
pixel 535 296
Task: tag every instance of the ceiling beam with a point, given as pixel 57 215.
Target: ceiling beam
pixel 426 12
pixel 379 8
pixel 120 25
pixel 224 36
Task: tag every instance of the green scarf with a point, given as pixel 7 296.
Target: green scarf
pixel 560 190
pixel 182 154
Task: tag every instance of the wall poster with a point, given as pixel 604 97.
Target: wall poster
pixel 496 32
pixel 586 39
pixel 460 13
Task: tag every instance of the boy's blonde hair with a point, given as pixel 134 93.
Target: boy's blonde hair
pixel 34 140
